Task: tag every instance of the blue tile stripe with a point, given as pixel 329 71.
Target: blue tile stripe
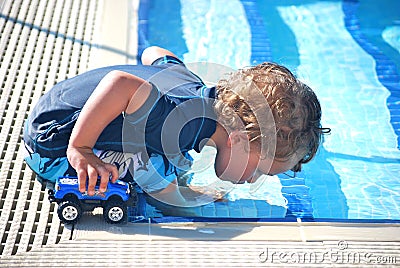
pixel 260 43
pixel 385 67
pixel 297 193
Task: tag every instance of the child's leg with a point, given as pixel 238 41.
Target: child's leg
pixel 153 53
pixel 47 169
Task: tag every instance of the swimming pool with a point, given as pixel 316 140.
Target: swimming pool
pixel 347 51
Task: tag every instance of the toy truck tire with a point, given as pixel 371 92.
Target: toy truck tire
pixel 69 212
pixel 115 212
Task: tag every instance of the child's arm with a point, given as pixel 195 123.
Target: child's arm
pixel 117 92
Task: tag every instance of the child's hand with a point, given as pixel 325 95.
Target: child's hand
pixel 213 193
pixel 89 166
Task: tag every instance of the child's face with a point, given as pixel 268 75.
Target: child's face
pixel 236 164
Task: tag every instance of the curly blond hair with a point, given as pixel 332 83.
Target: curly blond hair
pixel 272 107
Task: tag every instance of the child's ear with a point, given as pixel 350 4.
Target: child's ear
pixel 235 137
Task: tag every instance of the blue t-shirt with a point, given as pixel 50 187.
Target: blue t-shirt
pixel 175 118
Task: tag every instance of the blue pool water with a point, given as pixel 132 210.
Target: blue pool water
pixel 348 52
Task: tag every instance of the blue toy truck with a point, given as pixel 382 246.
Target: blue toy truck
pixel 71 202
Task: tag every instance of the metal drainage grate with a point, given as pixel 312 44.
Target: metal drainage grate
pixel 42 42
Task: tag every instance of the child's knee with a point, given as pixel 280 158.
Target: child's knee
pixel 153 53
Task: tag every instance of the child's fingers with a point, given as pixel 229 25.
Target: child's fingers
pixel 92 180
pixel 104 174
pixel 82 177
pixel 104 179
pixel 112 169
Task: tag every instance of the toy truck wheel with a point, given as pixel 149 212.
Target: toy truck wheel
pixel 115 212
pixel 69 212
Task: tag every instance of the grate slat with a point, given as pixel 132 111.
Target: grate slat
pixel 40 43
pixel 91 20
pixel 44 211
pixel 10 9
pixel 29 229
pixel 79 29
pixel 26 222
pixel 14 234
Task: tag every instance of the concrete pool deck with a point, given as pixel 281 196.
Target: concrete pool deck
pixel 43 42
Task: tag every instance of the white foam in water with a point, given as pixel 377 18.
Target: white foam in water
pixel 391 35
pixel 354 106
pixel 216 31
pixel 267 188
